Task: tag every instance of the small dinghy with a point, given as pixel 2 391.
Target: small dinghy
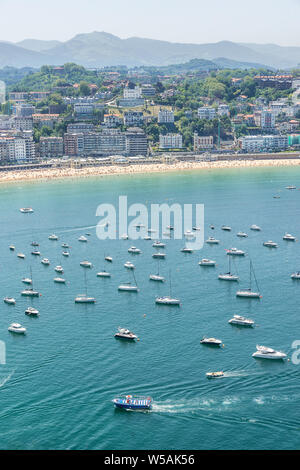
pixel 131 402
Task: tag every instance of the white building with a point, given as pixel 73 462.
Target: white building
pixel 260 143
pixel 223 110
pixel 84 108
pixel 170 141
pixel 206 113
pixel 267 119
pixel 132 93
pixel 165 116
pixel 2 92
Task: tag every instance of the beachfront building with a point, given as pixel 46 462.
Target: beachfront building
pixel 206 112
pixel 133 118
pixel 170 141
pixel 112 142
pixel 203 142
pixel 263 143
pixel 51 147
pixel 165 116
pixel 136 142
pixel 73 144
pixel 16 148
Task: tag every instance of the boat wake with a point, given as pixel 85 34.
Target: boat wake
pixel 6 379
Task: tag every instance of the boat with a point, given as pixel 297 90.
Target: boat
pixel 53 237
pixel 212 241
pixel 65 253
pixel 103 274
pixel 227 228
pixel 65 245
pixel 157 277
pixel 17 328
pixel 296 275
pixel 21 256
pixel 147 237
pixel 207 262
pixel 26 210
pixel 9 300
pixel 140 225
pixel 276 197
pixel 128 286
pixel 242 321
pixel 214 375
pixel 124 236
pixel 86 264
pixel 124 333
pixel 270 244
pixel 235 252
pixel 170 227
pixel 129 265
pixel 211 341
pixel 109 259
pixel 35 244
pixel 169 299
pixel 248 292
pixel 59 269
pixel 158 244
pixel 255 228
pixel 228 276
pixel 130 402
pixel 83 239
pixel 291 187
pixel 185 249
pixel 59 280
pixel 12 247
pixel 84 298
pixel 242 235
pixel 289 237
pixel 212 227
pixel 264 352
pixel 30 292
pixel 45 262
pixel 159 255
pixel 36 253
pixel 189 234
pixel 31 311
pixel 196 229
pixel 134 250
pixel 27 280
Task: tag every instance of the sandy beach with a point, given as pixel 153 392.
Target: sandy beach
pixel 73 173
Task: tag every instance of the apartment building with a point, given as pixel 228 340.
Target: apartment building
pixel 206 112
pixel 51 147
pixel 80 128
pixel 136 142
pixel 112 120
pixel 170 141
pixel 259 143
pixel 132 93
pixel 203 142
pixel 267 119
pixel 165 116
pixel 133 118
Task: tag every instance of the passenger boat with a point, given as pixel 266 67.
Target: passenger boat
pixel 214 375
pixel 124 333
pixel 241 321
pixel 17 328
pixel 267 353
pixel 130 402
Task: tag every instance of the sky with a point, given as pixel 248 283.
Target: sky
pixel 196 21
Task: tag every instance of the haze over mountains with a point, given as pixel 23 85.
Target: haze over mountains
pixel 100 49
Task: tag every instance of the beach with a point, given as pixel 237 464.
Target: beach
pixel 90 171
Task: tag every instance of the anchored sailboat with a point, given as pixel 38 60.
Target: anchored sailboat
pixel 168 300
pixel 84 298
pixel 228 276
pixel 249 293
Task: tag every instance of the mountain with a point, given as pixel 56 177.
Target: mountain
pixel 100 49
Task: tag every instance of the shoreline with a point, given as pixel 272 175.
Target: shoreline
pixel 117 170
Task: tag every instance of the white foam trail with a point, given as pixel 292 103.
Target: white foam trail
pixel 76 229
pixel 6 379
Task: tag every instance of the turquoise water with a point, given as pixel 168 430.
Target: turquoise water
pixel 57 385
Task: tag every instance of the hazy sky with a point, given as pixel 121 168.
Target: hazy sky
pixel 261 21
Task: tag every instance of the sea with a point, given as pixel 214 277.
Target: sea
pixel 58 381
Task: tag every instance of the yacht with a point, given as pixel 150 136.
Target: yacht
pixel 134 250
pixel 31 311
pixel 17 328
pixel 45 262
pixel 248 292
pixel 59 269
pixel 296 275
pixel 124 333
pixel 242 235
pixel 26 210
pixel 214 375
pixel 212 241
pixel 84 299
pixel 267 353
pixel 129 265
pixel 27 280
pixel 59 280
pixel 242 321
pixel 65 245
pixel 36 253
pixel 290 187
pixel 185 249
pixel 270 244
pixel 82 239
pixel 53 237
pixel 127 286
pixel 86 264
pixel 124 236
pixel 228 276
pixel 147 237
pixel 158 244
pixel 169 299
pixel 255 228
pixel 12 248
pixel 66 254
pixel 227 228
pixel 235 252
pixel 289 237
pixel 9 300
pixel 211 341
pixel 21 256
pixel 207 262
pixel 30 292
pixel 159 255
pixel 103 274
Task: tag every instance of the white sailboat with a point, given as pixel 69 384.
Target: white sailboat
pixel 84 298
pixel 157 277
pixel 168 300
pixel 30 291
pixel 249 293
pixel 128 286
pixel 228 276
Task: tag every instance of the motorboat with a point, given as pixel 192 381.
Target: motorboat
pixel 214 375
pixel 159 255
pixel 264 352
pixel 255 228
pixel 12 247
pixel 59 269
pixel 140 225
pixel 170 227
pixel 296 275
pixel 129 265
pixel 291 187
pixel 124 333
pixel 289 237
pixel 211 341
pixel 31 311
pixel 167 301
pixel 21 256
pixel 147 237
pixel 83 239
pixel 249 293
pixel 86 264
pixel 128 287
pixel 185 249
pixel 226 228
pixel 9 300
pixel 26 210
pixel 17 328
pixel 124 236
pixel 131 402
pixel 66 254
pixel 242 235
pixel 151 230
pixel 109 259
pixel 45 262
pixel 235 252
pixel 212 227
pixel 27 280
pixel 36 253
pixel 242 321
pixel 189 234
pixel 65 245
pixel 134 250
pixel 270 244
pixel 53 237
pixel 84 299
pixel 212 241
pixel 158 244
pixel 103 274
pixel 196 229
pixel 207 262
pixel 35 244
pixel 59 280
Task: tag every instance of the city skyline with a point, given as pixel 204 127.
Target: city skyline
pixel 195 22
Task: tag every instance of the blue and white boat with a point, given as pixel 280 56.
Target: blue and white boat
pixel 130 402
